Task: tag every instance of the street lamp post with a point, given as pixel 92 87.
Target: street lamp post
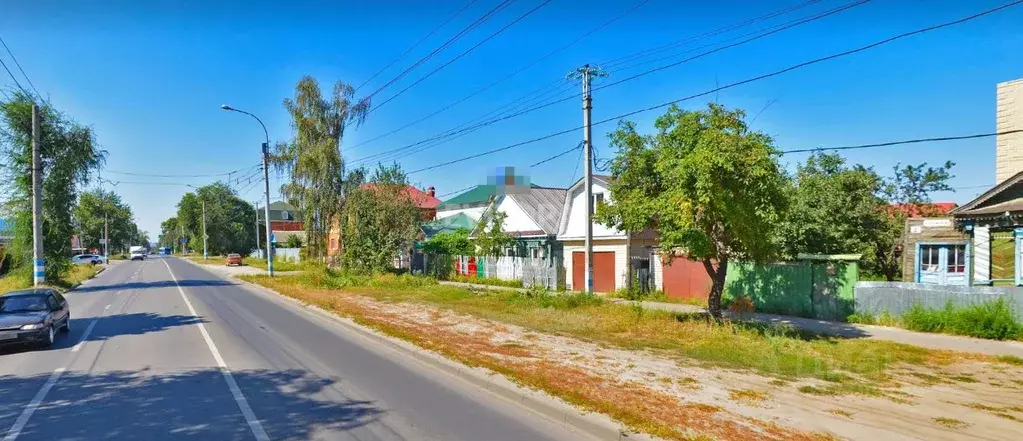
pixel 266 187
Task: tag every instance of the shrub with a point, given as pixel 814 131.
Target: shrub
pixel 487 281
pixel 992 320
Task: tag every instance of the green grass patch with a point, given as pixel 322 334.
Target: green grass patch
pixel 882 319
pixel 991 320
pixel 490 281
pixel 1010 359
pixel 21 278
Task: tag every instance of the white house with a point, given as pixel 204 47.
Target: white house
pixel 533 217
pixel 613 251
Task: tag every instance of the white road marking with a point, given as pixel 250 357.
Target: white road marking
pixel 32 406
pixel 106 307
pixel 85 336
pixel 243 404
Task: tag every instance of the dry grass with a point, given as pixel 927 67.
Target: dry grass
pixel 747 396
pixel 841 413
pixel 633 403
pixel 768 350
pixel 951 423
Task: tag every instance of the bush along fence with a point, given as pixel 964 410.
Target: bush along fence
pixel 976 311
pixel 541 272
pixel 813 286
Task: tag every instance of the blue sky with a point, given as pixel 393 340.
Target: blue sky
pixel 150 79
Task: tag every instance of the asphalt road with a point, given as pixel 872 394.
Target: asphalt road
pixel 191 355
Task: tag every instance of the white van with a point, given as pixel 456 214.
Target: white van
pixel 138 253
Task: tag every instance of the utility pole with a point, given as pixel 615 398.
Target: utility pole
pixel 181 240
pixel 266 186
pixel 588 149
pixel 106 239
pixel 205 255
pixel 39 265
pixel 256 210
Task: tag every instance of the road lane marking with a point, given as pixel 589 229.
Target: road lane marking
pixel 32 406
pixel 243 404
pixel 85 336
pixel 107 307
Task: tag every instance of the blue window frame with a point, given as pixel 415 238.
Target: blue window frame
pixel 943 263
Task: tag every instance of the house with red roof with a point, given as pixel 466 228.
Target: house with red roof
pixel 426 200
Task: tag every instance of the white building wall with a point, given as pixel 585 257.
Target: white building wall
pixel 981 254
pixel 516 219
pixel 474 212
pixel 576 225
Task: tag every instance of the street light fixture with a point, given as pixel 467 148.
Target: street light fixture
pixel 266 185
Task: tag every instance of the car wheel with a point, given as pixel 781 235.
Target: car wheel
pixel 67 325
pixel 50 337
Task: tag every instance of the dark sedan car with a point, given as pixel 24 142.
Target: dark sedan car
pixel 33 316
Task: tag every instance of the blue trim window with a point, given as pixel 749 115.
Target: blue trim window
pixel 942 263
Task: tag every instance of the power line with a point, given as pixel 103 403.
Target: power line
pixel 908 141
pixel 456 191
pixel 509 76
pixel 578 146
pixel 182 176
pixel 735 84
pixel 16 63
pixel 463 54
pixel 446 44
pixel 477 126
pixel 421 40
pixel 16 83
pixel 718 31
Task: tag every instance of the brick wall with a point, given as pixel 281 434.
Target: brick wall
pixel 1009 116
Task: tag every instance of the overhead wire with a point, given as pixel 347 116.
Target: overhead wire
pixel 182 175
pixel 18 65
pixel 421 41
pixel 906 141
pixel 511 75
pixel 735 84
pixel 578 146
pixel 441 138
pixel 461 55
pixel 487 16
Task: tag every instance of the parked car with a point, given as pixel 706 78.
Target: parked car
pixel 33 316
pixel 88 259
pixel 234 259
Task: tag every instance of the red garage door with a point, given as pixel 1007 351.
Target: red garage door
pixel 603 271
pixel 686 279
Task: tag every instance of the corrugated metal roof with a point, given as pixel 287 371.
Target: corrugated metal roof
pixel 478 196
pixel 447 224
pixel 543 205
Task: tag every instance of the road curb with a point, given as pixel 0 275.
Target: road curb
pixel 596 425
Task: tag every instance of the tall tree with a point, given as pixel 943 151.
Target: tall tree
pixel 100 212
pixel 170 234
pixel 489 238
pixel 380 220
pixel 312 160
pixel 229 221
pixel 708 185
pixel 69 155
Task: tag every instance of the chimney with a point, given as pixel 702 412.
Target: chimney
pixel 1009 116
pixel 431 191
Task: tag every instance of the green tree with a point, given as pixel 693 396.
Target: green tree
pixel 489 237
pixel 69 155
pixel 99 213
pixel 293 242
pixel 380 221
pixel 170 234
pixel 312 159
pixel 709 186
pixel 909 186
pixel 229 221
pixel 454 243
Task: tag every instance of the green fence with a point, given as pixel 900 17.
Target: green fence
pixel 818 287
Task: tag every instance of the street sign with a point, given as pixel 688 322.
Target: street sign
pixel 102 241
pixel 184 240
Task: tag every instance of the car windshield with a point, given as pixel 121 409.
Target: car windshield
pixel 22 304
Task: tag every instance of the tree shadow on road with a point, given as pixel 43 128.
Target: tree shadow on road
pixel 110 326
pixel 176 405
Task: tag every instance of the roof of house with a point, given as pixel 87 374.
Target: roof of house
pixel 931 209
pixel 447 224
pixel 997 200
pixel 543 205
pixel 277 210
pixel 478 196
pixel 421 198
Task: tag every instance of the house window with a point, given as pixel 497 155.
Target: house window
pixel 957 259
pixel 930 257
pixel 598 198
pixel 536 253
pixel 510 252
pixel 285 215
pixel 333 244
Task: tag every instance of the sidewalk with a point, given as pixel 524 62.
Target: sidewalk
pixel 850 330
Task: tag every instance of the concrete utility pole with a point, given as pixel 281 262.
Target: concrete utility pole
pixel 181 240
pixel 39 265
pixel 266 187
pixel 256 210
pixel 205 255
pixel 586 75
pixel 106 239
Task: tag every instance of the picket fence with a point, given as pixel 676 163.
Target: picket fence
pixel 542 272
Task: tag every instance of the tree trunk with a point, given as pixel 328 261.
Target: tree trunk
pixel 718 287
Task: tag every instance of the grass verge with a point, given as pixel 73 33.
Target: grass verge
pixel 991 320
pixel 21 278
pixel 279 265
